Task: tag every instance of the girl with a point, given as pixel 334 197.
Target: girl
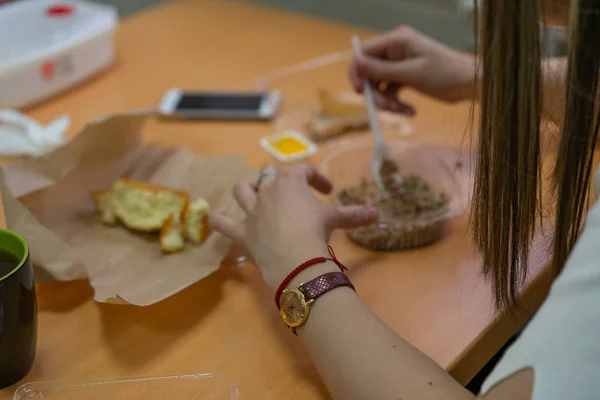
pixel 558 354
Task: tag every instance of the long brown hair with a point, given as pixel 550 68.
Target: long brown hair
pixel 507 192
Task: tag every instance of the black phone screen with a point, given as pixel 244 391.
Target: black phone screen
pixel 240 102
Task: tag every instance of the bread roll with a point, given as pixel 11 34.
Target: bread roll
pixel 338 107
pixel 337 116
pixel 171 235
pixel 196 221
pixel 145 207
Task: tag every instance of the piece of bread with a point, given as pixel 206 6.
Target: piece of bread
pixel 196 221
pixel 171 238
pixel 340 107
pixel 103 200
pixel 338 115
pixel 145 207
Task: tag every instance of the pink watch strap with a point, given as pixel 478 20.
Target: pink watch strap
pixel 323 284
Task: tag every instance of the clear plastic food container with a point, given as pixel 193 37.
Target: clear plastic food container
pixel 349 165
pixel 188 387
pixel 302 108
pixel 302 118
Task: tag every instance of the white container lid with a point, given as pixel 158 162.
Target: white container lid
pixel 59 26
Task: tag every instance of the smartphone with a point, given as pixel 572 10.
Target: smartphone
pixel 224 105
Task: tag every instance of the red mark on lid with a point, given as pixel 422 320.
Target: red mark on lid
pixel 59 10
pixel 47 70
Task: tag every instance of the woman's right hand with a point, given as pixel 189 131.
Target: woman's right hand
pixel 406 58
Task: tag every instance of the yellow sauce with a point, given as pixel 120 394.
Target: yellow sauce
pixel 289 146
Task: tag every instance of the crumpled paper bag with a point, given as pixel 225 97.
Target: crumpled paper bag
pixel 47 201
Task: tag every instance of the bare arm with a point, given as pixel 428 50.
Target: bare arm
pixel 359 357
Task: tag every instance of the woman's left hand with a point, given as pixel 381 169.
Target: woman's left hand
pixel 286 223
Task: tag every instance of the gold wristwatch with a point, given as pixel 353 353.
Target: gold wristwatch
pixel 294 304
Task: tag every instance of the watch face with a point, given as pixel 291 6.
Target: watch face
pixel 293 307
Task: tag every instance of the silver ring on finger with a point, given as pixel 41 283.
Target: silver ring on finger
pixel 264 174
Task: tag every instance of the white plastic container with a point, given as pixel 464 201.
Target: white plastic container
pixel 49 46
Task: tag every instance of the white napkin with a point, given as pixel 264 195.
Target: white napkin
pixel 21 135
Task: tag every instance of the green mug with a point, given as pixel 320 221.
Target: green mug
pixel 18 309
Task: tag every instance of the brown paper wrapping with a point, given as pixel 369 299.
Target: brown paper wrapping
pixel 47 201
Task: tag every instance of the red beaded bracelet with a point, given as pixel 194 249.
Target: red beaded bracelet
pixel 304 266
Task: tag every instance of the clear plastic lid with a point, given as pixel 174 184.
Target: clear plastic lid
pixel 189 387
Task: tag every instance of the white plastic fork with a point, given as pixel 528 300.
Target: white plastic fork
pixel 382 151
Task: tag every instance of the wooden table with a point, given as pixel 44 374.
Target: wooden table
pixel 433 297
